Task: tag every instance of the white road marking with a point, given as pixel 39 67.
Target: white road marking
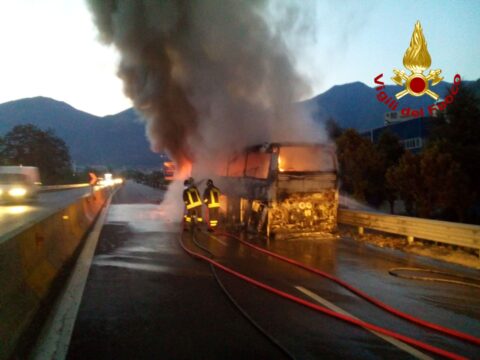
pixel 399 344
pixel 54 339
pixel 220 241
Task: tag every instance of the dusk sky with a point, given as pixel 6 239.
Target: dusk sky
pixel 50 47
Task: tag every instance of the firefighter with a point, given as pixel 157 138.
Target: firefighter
pixel 193 202
pixel 211 197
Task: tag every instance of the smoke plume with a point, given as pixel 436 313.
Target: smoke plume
pixel 210 76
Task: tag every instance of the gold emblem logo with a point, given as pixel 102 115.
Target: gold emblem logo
pixel 417 60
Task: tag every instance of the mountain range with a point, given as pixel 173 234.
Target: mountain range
pixel 114 140
pixel 355 105
pixel 119 140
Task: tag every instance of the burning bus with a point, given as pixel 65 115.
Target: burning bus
pixel 283 188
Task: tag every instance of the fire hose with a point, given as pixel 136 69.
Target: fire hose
pixel 318 308
pixel 378 303
pixel 245 314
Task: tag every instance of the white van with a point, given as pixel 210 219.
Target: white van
pixel 19 183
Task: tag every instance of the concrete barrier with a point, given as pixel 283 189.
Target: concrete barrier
pixel 31 260
pixel 50 188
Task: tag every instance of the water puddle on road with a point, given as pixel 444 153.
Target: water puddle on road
pixel 143 218
pixel 100 261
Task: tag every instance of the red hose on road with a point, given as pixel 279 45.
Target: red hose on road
pixel 411 318
pixel 348 319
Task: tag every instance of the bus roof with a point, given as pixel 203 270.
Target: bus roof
pixel 269 147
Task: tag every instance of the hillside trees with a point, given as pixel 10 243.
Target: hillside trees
pixel 444 184
pixel 403 179
pixel 430 183
pixel 364 165
pixel 440 182
pixel 30 146
pixel 360 165
pixel 2 160
pixel 333 129
pixel 390 150
pixel 457 132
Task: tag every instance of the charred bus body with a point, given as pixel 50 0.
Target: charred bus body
pixel 283 188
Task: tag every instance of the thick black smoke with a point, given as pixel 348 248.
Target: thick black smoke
pixel 209 75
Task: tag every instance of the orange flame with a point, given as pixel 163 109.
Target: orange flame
pixel 416 58
pixel 280 168
pixel 184 171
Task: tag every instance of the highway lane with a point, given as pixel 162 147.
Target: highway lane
pixel 14 217
pixel 145 298
pixel 366 268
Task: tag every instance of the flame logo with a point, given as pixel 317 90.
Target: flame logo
pixel 416 58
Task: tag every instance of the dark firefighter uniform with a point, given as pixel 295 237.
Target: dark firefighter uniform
pixel 211 197
pixel 193 202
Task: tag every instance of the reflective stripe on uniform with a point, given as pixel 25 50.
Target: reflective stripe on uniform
pixel 193 198
pixel 214 198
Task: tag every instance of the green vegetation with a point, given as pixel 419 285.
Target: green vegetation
pixel 361 167
pixel 441 182
pixel 30 146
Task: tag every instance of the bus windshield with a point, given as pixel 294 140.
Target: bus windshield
pixel 305 159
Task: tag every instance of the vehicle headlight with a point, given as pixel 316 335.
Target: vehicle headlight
pixel 309 205
pixel 301 205
pixel 17 192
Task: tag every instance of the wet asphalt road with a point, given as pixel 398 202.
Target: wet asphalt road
pixel 145 298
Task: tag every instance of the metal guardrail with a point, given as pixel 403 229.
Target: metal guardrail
pixel 434 230
pixel 61 187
